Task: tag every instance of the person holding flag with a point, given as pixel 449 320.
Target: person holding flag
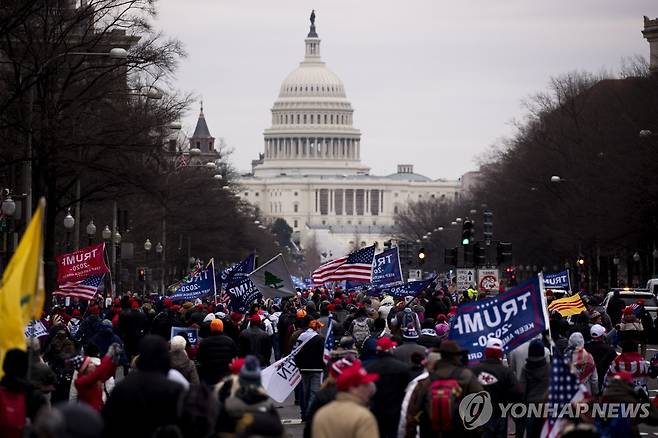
pixel 310 361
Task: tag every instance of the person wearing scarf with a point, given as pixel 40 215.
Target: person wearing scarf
pixel 582 363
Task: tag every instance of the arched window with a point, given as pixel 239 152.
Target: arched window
pixel 295 208
pixel 298 119
pixel 311 119
pixel 332 119
pixel 325 119
pixel 304 118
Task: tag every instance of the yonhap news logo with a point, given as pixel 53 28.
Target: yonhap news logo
pixel 475 410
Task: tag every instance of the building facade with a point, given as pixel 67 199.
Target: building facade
pixel 311 174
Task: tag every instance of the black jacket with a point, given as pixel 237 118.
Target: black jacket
pixel 140 404
pixel 603 355
pixel 394 375
pixel 534 381
pixel 255 341
pixel 323 397
pixel 214 356
pixel 311 356
pixel 498 380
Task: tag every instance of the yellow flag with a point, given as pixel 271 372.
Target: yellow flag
pixel 22 292
pixel 568 306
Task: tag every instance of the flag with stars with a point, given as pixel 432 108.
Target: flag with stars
pixel 85 289
pixel 355 267
pixel 329 340
pixel 564 388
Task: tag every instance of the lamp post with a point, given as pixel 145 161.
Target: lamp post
pixel 91 231
pixel 116 238
pixel 106 235
pixel 147 249
pixel 159 250
pixel 69 223
pixel 8 209
pixel 636 260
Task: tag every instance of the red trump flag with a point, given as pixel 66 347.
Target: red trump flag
pixel 81 264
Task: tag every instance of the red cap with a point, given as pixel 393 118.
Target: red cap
pixel 75 312
pixel 336 300
pixel 354 375
pixel 199 306
pixel 167 302
pixel 624 375
pixel 175 308
pixel 336 368
pixel 134 305
pixel 331 307
pixel 236 365
pixel 255 319
pixel 94 310
pixel 385 344
pixel 628 310
pixel 236 317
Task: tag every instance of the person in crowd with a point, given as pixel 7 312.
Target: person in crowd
pixel 428 337
pixel 355 387
pixel 501 384
pixel 90 378
pixel 394 375
pixel 180 361
pixel 361 327
pixel 432 358
pixel 215 354
pixel 516 359
pixel 254 341
pixel 131 326
pixel 310 361
pixel 145 402
pixel 602 352
pixel 534 387
pixel 582 363
pixel 631 361
pixel 105 337
pixel 409 345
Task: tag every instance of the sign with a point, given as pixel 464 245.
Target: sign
pixel 237 285
pixel 465 279
pixel 237 273
pixel 35 329
pixel 272 279
pixel 558 280
pixel 514 317
pixel 199 284
pixel 411 288
pixel 488 279
pixel 80 264
pixel 281 378
pixel 415 274
pixel 386 268
pixel 191 334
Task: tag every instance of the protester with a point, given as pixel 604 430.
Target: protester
pixel 180 361
pixel 90 378
pixel 347 416
pixel 409 345
pixel 602 352
pixel 254 341
pixel 310 361
pixel 215 354
pixel 582 363
pixel 534 387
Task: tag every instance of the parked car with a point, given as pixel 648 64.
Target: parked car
pixel 631 296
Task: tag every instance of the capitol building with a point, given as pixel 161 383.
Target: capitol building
pixel 311 174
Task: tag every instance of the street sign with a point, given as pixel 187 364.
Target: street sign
pixel 415 274
pixel 488 279
pixel 465 278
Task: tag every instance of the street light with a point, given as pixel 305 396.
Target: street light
pixel 118 53
pixel 159 251
pixel 218 177
pixel 175 126
pixel 106 233
pixel 69 223
pixel 147 245
pixel 116 238
pixel 91 231
pixel 211 165
pixel 8 206
pixel 556 179
pixel 646 133
pixel 636 256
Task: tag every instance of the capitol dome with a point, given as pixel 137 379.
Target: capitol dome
pixel 312 131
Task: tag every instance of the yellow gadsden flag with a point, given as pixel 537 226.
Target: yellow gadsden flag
pixel 22 291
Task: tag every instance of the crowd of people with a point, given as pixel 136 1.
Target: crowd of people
pixel 124 368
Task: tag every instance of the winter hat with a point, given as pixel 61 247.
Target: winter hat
pixel 209 317
pixel 255 319
pixel 628 310
pixel 187 305
pixel 80 419
pixel 385 344
pixel 409 332
pixel 428 332
pixel 220 315
pixel 597 331
pixel 576 340
pixel 536 350
pixel 494 348
pixel 250 372
pixel 236 365
pixel 301 313
pixel 216 326
pixel 75 313
pixel 106 323
pixel 354 375
pixel 442 318
pixel 177 343
pixel 442 330
pixel 236 317
pixel 594 315
pixel 336 368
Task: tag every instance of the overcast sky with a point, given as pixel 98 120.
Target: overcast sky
pixel 432 82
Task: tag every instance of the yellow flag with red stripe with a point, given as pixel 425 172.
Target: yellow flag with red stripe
pixel 568 306
pixel 22 292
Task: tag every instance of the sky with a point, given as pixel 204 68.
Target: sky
pixel 433 83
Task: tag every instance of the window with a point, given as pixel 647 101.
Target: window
pixel 395 195
pixel 295 208
pixel 420 196
pixel 374 222
pixel 374 202
pixel 297 118
pixel 363 243
pixel 325 119
pixel 349 223
pixel 432 196
pixel 338 202
pixel 324 222
pixel 349 202
pixel 246 193
pixel 295 224
pixel 311 119
pixel 360 202
pixel 304 118
pixel 332 119
pixel 395 210
pixel 198 145
pixel 324 202
pixel 256 194
pixel 295 193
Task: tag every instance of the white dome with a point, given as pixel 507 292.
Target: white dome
pixel 312 79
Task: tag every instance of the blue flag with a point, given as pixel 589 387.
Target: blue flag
pixel 199 284
pixel 387 268
pixel 557 280
pixel 411 288
pixel 514 317
pixel 239 288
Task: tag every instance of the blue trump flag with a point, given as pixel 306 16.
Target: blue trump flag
pixel 199 284
pixel 557 280
pixel 386 269
pixel 514 317
pixel 411 288
pixel 239 288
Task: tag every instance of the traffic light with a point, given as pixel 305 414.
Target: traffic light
pixel 487 225
pixel 141 274
pixel 480 254
pixel 421 255
pixel 450 256
pixel 504 253
pixel 467 232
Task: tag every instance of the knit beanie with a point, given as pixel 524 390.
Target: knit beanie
pixel 177 343
pixel 250 371
pixel 536 350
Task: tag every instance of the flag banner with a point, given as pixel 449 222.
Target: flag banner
pixel 199 285
pixel 558 280
pixel 329 340
pixel 272 278
pixel 411 288
pixel 281 378
pixel 237 273
pixel 298 282
pixel 36 329
pixel 354 267
pixel 387 269
pixel 86 288
pixel 191 334
pixel 568 306
pixel 80 264
pixel 514 317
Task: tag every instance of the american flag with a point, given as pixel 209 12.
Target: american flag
pixel 85 289
pixel 355 267
pixel 329 340
pixel 564 388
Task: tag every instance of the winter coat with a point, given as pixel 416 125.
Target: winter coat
pixel 90 386
pixel 183 364
pixel 499 381
pixel 356 421
pixel 103 339
pixel 246 401
pixel 214 356
pixel 534 382
pixel 140 404
pixel 603 355
pixel 311 356
pixel 131 327
pixel 255 341
pixel 406 350
pixel 428 340
pixel 394 375
pixel 323 397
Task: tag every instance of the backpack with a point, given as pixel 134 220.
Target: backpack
pixel 12 413
pixel 442 402
pixel 360 332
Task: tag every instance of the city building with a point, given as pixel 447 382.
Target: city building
pixel 311 174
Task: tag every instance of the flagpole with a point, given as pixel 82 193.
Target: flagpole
pixel 214 281
pixel 544 307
